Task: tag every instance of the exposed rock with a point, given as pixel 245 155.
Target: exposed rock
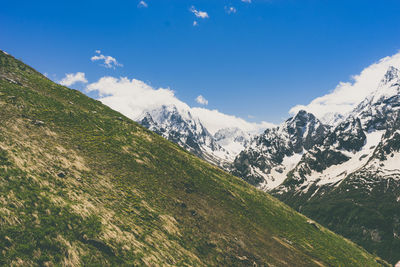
pixel 37 123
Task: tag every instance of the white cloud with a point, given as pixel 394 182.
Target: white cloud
pixel 347 95
pixel 195 23
pixel 198 13
pixel 108 61
pixel 230 10
pixel 71 78
pixel 246 1
pixel 142 4
pixel 133 97
pixel 201 100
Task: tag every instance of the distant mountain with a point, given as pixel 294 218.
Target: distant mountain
pixel 187 130
pixel 354 142
pixel 183 129
pixel 83 185
pixel 270 156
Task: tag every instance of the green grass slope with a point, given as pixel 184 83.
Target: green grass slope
pixel 80 184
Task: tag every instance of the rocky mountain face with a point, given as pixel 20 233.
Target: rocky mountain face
pixel 270 156
pixel 181 128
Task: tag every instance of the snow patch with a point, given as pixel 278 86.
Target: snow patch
pixel 357 160
pixel 392 163
pixel 279 173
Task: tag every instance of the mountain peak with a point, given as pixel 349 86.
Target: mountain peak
pixel 147 120
pixel 302 112
pixel 381 101
pixel 391 74
pixel 300 121
pixel 303 115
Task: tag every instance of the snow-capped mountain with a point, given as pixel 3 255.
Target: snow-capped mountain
pixel 305 150
pixel 180 127
pixel 351 144
pixel 381 104
pixel 187 130
pixel 271 155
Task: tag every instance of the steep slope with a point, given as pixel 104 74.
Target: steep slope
pixel 351 182
pixel 270 156
pixel 80 184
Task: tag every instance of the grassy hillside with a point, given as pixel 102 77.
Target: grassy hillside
pixel 82 184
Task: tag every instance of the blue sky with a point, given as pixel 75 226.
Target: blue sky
pixel 261 60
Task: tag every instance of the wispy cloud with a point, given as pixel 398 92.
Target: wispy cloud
pixel 72 78
pixel 347 95
pixel 230 10
pixel 108 61
pixel 201 100
pixel 195 23
pixel 246 1
pixel 198 13
pixel 142 4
